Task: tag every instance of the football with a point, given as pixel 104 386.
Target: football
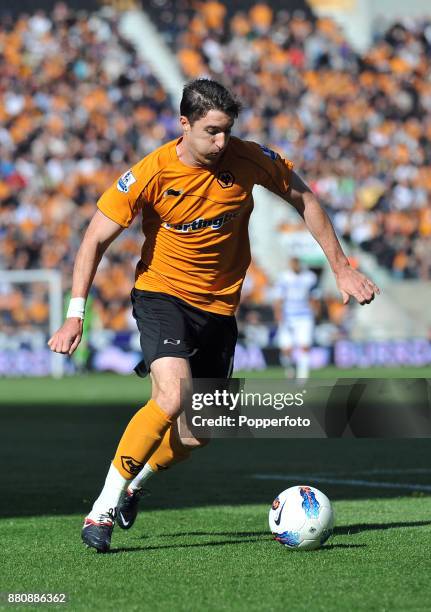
pixel 301 518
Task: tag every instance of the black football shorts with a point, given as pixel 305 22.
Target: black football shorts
pixel 169 327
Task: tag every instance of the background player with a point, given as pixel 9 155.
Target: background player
pixel 295 317
pixel 195 198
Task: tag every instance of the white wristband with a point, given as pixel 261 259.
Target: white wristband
pixel 76 308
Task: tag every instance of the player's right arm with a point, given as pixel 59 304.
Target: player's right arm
pixel 99 235
pixel 277 175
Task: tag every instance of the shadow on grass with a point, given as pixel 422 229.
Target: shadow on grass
pixel 360 527
pixel 191 545
pixel 244 534
pixel 341 530
pixel 59 456
pixel 327 547
pixel 264 536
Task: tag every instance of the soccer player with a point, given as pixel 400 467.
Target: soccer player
pixel 295 317
pixel 194 198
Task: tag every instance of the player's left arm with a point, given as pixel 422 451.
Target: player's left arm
pixel 350 282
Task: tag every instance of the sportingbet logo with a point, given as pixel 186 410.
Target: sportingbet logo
pixel 199 224
pixel 125 181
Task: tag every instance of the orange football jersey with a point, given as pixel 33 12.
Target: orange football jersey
pixel 195 220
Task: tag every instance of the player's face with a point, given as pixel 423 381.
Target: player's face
pixel 208 137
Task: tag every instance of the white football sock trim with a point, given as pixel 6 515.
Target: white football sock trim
pixel 146 473
pixel 115 485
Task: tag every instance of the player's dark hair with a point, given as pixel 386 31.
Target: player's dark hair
pixel 202 95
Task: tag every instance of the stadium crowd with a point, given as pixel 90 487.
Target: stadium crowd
pixel 77 108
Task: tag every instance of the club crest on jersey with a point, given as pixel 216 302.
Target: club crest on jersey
pixel 125 181
pixel 199 224
pixel 225 179
pixel 269 152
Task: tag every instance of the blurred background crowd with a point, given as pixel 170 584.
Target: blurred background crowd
pixel 78 107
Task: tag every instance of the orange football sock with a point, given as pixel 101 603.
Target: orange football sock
pixel 140 439
pixel 169 452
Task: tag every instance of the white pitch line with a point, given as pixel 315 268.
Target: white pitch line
pixel 400 471
pixel 391 472
pixel 344 481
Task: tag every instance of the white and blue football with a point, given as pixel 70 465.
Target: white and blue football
pixel 301 518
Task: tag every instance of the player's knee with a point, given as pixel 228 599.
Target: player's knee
pixel 172 399
pixel 172 384
pixel 169 400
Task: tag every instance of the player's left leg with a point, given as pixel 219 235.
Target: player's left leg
pixel 173 449
pixel 303 338
pixel 139 441
pixel 303 362
pixel 285 344
pixel 214 359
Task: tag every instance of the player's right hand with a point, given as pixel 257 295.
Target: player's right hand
pixel 66 339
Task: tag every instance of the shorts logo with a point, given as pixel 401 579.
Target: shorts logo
pixel 269 152
pixel 171 341
pixel 125 181
pixel 225 179
pixel 131 466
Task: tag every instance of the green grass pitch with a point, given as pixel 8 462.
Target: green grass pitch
pixel 202 540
